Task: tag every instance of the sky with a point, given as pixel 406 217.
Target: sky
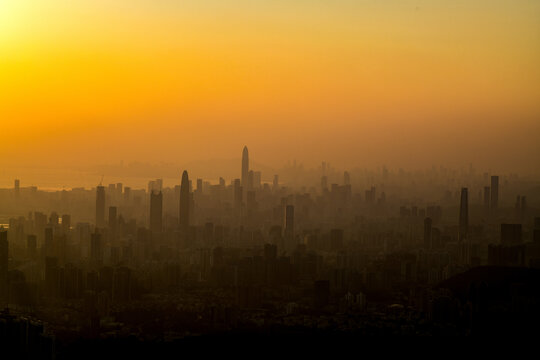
pixel 358 83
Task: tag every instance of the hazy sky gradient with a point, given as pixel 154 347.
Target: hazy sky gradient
pixel 358 83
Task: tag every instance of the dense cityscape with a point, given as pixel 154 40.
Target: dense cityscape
pixel 440 252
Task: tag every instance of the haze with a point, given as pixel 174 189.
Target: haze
pixel 357 83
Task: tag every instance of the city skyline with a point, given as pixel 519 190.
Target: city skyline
pixel 266 172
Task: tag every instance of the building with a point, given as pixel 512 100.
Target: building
pixel 237 194
pixel 511 234
pixel 487 194
pixel 245 167
pixel 289 227
pixel 156 212
pixel 494 192
pixel 113 220
pixel 100 206
pixel 184 203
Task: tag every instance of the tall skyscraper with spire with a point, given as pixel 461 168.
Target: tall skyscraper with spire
pixel 245 167
pixel 184 202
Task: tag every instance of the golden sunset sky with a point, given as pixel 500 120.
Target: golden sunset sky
pixel 354 82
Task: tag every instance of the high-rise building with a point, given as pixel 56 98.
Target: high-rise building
pixel 324 183
pixel 184 202
pixel 523 207
pixel 275 183
pixel 48 245
pixel 289 226
pixel 494 192
pixel 96 250
pixel 250 182
pixel 486 198
pixel 113 220
pixel 199 186
pixel 511 234
pixel 251 203
pixel 66 223
pixel 257 179
pixel 127 195
pixel 237 194
pixel 31 246
pixel 100 206
pixel 156 212
pixel 346 178
pixel 245 167
pixel 463 214
pixel 17 187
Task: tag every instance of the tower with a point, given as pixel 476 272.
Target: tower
pixel 100 206
pixel 156 212
pixel 184 202
pixel 245 167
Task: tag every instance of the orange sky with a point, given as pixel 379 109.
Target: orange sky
pixel 358 83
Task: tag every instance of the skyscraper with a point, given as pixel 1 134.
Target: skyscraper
pixel 17 187
pixel 487 195
pixel 237 194
pixel 346 178
pixel 156 212
pixel 463 214
pixel 100 206
pixel 184 202
pixel 113 221
pixel 494 192
pixel 96 250
pixel 289 227
pixel 245 167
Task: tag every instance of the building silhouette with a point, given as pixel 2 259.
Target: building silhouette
pixel 487 195
pixel 494 192
pixel 156 212
pixel 289 227
pixel 184 203
pixel 113 220
pixel 100 206
pixel 238 198
pixel 245 167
